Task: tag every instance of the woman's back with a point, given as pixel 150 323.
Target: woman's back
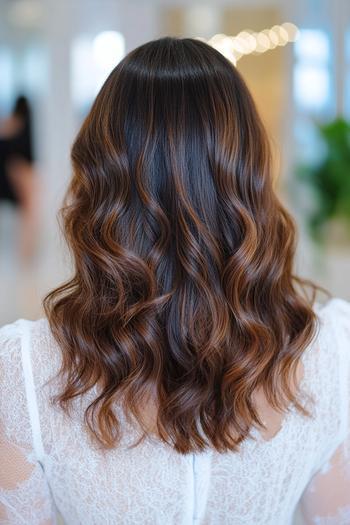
pixel 151 483
pixel 183 327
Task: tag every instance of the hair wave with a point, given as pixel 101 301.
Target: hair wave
pixel 183 290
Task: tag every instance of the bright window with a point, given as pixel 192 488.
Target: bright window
pixel 311 86
pixel 92 59
pixel 312 82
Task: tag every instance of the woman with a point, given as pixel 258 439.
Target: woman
pixel 18 180
pixel 181 376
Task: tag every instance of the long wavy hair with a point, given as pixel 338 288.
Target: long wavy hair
pixel 183 290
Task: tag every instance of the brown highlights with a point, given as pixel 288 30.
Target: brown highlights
pixel 183 294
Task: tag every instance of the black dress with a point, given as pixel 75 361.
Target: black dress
pixel 17 147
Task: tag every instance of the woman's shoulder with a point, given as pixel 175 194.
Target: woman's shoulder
pixel 329 359
pixel 328 372
pixel 23 338
pixel 334 324
pixel 12 334
pixel 330 347
pixel 333 308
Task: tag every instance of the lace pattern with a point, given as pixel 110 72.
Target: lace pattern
pixel 305 464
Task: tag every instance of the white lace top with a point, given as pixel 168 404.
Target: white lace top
pixel 48 464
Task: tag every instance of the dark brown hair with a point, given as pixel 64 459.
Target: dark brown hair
pixel 183 290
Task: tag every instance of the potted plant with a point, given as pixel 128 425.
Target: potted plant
pixel 329 181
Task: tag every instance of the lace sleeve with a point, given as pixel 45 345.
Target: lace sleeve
pixel 326 500
pixel 24 493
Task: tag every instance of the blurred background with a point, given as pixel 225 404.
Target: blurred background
pixel 54 57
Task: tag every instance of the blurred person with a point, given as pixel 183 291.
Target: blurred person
pixel 183 374
pixel 18 180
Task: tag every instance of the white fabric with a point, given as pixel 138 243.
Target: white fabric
pixel 47 461
pixel 30 392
